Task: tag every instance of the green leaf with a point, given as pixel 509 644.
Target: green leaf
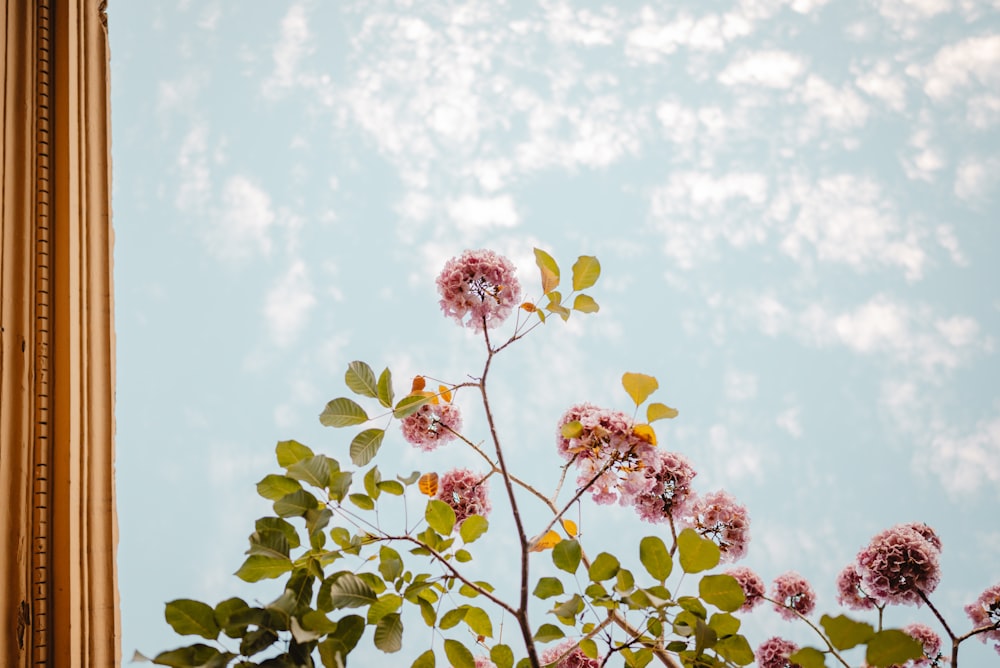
pixel 569 609
pixel 548 587
pixel 350 591
pixel 549 269
pixel 724 624
pixel 458 654
pixel 473 527
pixel 409 404
pixel 654 556
pixel 548 633
pixel 340 483
pixel 384 389
pixel 479 621
pixel 295 504
pixel 365 445
pixel 892 646
pixel 360 379
pixel 453 617
pixel 585 304
pixel 269 543
pixel 722 591
pixel 362 501
pixel 808 657
pixel 265 524
pixel 571 429
pixel 258 567
pixel 195 656
pixel 390 564
pixel 639 386
pixel 697 554
pixel 425 660
pixel 225 610
pixel 410 479
pixel 391 487
pixel 342 412
pixel 566 555
pixel 844 632
pixel 604 567
pixel 624 581
pixel 189 617
pixel 658 411
pixel 589 648
pixel 736 649
pixel 502 656
pixel 440 516
pixel 427 611
pixel 371 481
pixel 586 271
pixel 289 452
pixel 314 470
pixel 389 633
pixel 274 487
pixel 463 556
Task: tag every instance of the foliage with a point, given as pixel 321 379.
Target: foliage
pixel 347 578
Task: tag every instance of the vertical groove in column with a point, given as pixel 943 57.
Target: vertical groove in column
pixel 41 505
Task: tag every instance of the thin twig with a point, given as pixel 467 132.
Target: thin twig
pixel 815 628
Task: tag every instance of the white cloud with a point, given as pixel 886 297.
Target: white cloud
pixel 288 52
pixel 840 108
pixel 912 336
pixel 976 178
pixel 958 66
pixel 983 111
pixel 480 212
pixel 967 460
pixel 789 420
pixel 288 303
pixel 740 386
pixel 882 83
pixel 771 69
pixel 925 159
pixel 907 16
pixel 242 229
pixel 580 26
pixel 194 181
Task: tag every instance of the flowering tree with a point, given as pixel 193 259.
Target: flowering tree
pixel 345 569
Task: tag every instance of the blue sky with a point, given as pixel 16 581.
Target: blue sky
pixel 796 204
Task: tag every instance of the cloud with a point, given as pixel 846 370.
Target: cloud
pixel 288 303
pixel 910 336
pixel 770 69
pixel 983 111
pixel 194 179
pixel 789 420
pixel 880 82
pixel 958 66
pixel 740 386
pixel 288 52
pixel 242 228
pixel 976 179
pixel 479 212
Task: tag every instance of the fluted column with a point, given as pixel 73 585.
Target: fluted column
pixel 59 603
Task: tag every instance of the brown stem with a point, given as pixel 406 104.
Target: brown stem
pixel 951 634
pixel 521 614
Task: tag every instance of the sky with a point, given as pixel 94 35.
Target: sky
pixel 795 203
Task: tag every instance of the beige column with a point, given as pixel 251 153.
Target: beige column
pixel 58 593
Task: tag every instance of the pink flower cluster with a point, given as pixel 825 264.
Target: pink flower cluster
pixel 897 566
pixel 431 425
pixel 986 612
pixel 774 653
pixel 670 492
pixel 575 659
pixel 466 492
pixel 752 586
pixel 719 517
pixel 792 593
pixel 484 662
pixel 931 642
pixel 479 285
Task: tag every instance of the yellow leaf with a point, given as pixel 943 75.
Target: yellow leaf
pixel 585 272
pixel 658 411
pixel 546 542
pixel 645 432
pixel 570 527
pixel 445 393
pixel 428 484
pixel 549 269
pixel 639 386
pixel 418 384
pixel 585 304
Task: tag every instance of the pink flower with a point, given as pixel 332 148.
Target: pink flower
pixel 926 532
pixel 931 642
pixel 466 492
pixel 479 284
pixel 986 612
pixel 431 425
pixel 484 662
pixel 774 653
pixel 752 586
pixel 849 591
pixel 668 495
pixel 717 516
pixel 899 564
pixel 575 659
pixel 792 592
